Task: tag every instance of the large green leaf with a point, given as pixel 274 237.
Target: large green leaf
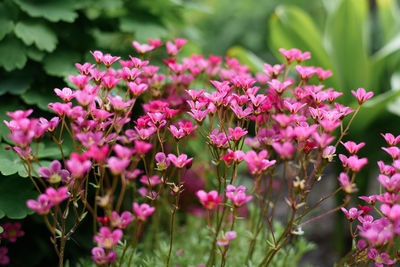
pixel 389 18
pixel 36 33
pixel 290 27
pixel 142 30
pixel 389 49
pixel 247 58
pixel 346 43
pixel 12 53
pixel 61 63
pixel 54 10
pixel 6 27
pixel 14 192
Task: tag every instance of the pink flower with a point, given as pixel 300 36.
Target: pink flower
pixel 352 214
pixel 285 150
pixel 142 48
pixel 162 161
pixel 57 196
pixel 258 163
pixel 150 181
pixel 117 165
pixel 4 259
pixel 155 43
pixel 108 60
pixel 391 184
pixel 80 80
pixel 137 89
pixel 209 200
pixel 65 94
pixel 141 147
pixel 180 161
pixel 100 257
pixel 390 139
pixel 393 213
pixel 361 95
pixel 54 173
pixel 323 74
pixel 178 134
pixel 237 133
pixel 106 238
pixel 122 221
pixel 237 195
pixel 379 259
pixel 393 151
pixel 353 162
pixel 41 206
pixel 78 165
pixel 352 147
pixel 98 55
pixel 12 231
pixel 123 152
pixel 345 183
pixel 226 238
pixel 143 211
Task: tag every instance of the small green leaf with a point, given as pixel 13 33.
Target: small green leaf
pixel 247 58
pixel 61 63
pixel 141 29
pixel 6 27
pixel 12 53
pixel 54 11
pixel 35 54
pixel 14 192
pixel 16 83
pixel 1 230
pixel 36 33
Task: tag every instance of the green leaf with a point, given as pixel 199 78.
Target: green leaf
pixel 389 49
pixel 35 54
pixel 54 10
pixel 141 29
pixel 14 192
pixel 346 36
pixel 12 53
pixel 6 27
pixel 247 58
pixel 290 27
pixel 389 18
pixel 36 33
pixel 38 97
pixel 16 83
pixel 61 63
pixel 1 228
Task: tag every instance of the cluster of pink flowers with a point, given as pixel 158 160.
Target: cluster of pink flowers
pixel 377 235
pixel 11 232
pixel 123 151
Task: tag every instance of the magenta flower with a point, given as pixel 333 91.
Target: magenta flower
pixel 57 196
pixel 141 147
pixel 51 125
pixel 226 238
pixel 80 80
pixel 108 60
pixel 393 151
pixel 180 161
pixel 142 48
pixel 142 211
pixel 78 165
pixel 345 183
pixel 19 114
pixel 137 89
pixel 391 184
pixel 54 173
pixel 118 103
pixel 106 238
pixel 258 163
pixel 285 150
pixel 4 259
pixel 353 162
pixel 177 134
pixel 123 152
pixel 237 133
pixel 390 139
pixel 117 165
pixel 393 213
pixel 98 55
pixel 150 181
pixel 352 214
pixel 41 206
pixel 162 161
pixel 361 95
pixel 121 221
pixel 237 195
pixel 379 259
pixel 12 231
pixel 65 94
pixel 209 200
pixel 352 147
pixel 100 257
